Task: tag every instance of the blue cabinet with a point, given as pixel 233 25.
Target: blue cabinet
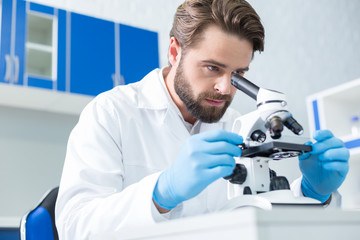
pixel 92 55
pixel 105 54
pixel 50 48
pixel 12 41
pixel 5 41
pixel 32 51
pixel 139 53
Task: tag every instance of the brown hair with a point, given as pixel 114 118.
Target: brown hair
pixel 233 16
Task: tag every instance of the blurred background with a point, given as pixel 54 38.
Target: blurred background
pixel 55 54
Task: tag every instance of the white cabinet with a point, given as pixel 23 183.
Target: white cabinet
pixel 37 99
pixel 336 109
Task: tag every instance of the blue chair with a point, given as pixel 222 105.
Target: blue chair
pixel 39 223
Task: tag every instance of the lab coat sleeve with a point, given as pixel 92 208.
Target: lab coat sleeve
pixel 92 199
pixel 335 197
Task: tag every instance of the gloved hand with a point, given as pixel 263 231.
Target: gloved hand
pixel 325 168
pixel 204 158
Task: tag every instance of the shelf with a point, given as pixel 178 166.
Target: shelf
pixel 333 108
pixel 42 99
pixel 352 143
pixel 40 28
pixel 39 47
pixel 39 62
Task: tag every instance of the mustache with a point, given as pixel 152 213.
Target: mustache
pixel 215 96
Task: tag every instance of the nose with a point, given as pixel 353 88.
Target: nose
pixel 223 84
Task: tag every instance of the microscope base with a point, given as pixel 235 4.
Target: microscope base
pixel 269 200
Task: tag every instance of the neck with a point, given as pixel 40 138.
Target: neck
pixel 169 77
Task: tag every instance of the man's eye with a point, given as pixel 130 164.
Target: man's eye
pixel 239 73
pixel 213 68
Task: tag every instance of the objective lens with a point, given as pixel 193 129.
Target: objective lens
pixel 276 127
pixel 293 125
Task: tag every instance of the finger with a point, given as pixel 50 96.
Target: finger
pixel 213 161
pixel 304 156
pixel 320 147
pixel 338 154
pixel 340 167
pixel 222 148
pixel 221 135
pixel 321 135
pixel 218 172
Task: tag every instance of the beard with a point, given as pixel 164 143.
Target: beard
pixel 207 114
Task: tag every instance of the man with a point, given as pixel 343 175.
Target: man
pixel 159 149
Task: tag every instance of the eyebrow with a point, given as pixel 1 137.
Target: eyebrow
pixel 224 65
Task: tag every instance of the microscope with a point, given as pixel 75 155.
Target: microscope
pixel 252 182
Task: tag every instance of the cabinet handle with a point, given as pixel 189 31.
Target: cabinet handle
pixel 8 68
pixel 17 68
pixel 118 80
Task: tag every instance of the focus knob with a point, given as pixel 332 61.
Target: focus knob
pixel 239 174
pixel 279 183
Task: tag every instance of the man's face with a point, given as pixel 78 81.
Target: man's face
pixel 202 79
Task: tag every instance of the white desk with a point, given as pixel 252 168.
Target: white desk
pixel 253 224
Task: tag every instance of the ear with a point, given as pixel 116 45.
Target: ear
pixel 174 52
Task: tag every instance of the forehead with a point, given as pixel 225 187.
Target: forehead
pixel 214 43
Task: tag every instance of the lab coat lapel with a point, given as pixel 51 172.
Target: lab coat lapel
pixel 211 126
pixel 175 125
pixel 154 97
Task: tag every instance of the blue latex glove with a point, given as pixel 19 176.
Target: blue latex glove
pixel 325 168
pixel 204 158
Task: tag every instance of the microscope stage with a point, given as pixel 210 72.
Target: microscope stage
pixel 276 150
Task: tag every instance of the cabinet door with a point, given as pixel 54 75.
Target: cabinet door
pixel 29 44
pixel 41 47
pixel 12 41
pixel 19 48
pixel 92 58
pixel 139 53
pixel 62 51
pixel 5 61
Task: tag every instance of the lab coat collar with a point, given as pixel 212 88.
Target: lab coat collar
pixel 151 94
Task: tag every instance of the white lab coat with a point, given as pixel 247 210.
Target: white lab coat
pixel 124 139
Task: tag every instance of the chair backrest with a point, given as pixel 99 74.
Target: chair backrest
pixel 39 223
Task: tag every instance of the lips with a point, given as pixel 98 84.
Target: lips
pixel 214 102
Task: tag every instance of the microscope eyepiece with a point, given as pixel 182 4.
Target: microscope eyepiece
pixel 245 86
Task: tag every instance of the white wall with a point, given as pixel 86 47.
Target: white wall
pixel 310 45
pixel 33 146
